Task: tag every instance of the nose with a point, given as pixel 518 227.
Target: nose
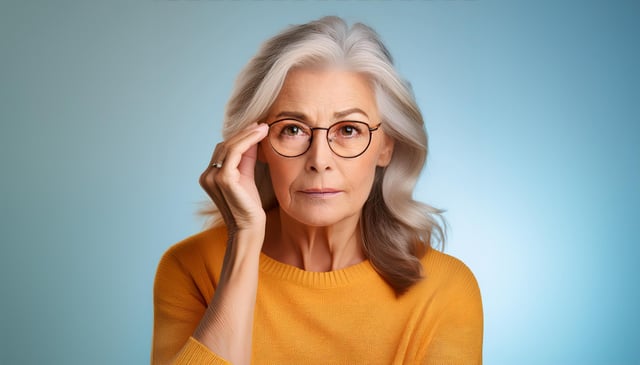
pixel 319 156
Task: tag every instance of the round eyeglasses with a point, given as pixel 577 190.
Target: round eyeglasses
pixel 292 138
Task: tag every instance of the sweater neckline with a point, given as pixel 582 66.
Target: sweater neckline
pixel 328 279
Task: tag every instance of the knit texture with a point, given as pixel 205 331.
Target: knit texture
pixel 349 316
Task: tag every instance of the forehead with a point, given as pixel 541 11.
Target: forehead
pixel 320 91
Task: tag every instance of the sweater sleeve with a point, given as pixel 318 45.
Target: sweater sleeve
pixel 457 336
pixel 179 305
pixel 195 353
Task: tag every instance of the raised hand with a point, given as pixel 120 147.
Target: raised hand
pixel 229 179
pixel 226 327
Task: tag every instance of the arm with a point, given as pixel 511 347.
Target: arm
pixel 225 326
pixel 179 301
pixel 457 337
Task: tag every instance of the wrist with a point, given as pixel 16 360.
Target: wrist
pixel 247 240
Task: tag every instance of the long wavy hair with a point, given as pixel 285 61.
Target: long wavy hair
pixel 396 229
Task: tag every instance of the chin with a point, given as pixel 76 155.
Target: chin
pixel 319 217
pixel 317 223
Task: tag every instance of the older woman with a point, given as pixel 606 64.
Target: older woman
pixel 319 254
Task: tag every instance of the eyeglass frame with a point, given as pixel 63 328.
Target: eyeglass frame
pixel 312 129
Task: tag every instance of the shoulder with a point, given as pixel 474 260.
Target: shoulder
pixel 194 261
pixel 449 280
pixel 451 293
pixel 442 268
pixel 202 248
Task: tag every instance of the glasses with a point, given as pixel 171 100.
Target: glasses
pixel 292 138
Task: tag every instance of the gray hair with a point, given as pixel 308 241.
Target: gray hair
pixel 396 229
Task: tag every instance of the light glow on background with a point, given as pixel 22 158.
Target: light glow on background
pixel 111 110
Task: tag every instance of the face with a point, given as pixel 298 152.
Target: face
pixel 319 188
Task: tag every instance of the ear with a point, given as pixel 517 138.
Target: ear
pixel 386 151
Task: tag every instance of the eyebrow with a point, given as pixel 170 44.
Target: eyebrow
pixel 336 115
pixel 344 113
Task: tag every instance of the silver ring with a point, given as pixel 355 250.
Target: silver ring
pixel 217 165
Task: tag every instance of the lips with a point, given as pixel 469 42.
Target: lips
pixel 321 192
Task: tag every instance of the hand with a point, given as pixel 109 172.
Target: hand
pixel 232 186
pixel 226 327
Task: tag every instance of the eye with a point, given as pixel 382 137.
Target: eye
pixel 349 129
pixel 290 129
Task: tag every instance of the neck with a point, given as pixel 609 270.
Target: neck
pixel 313 248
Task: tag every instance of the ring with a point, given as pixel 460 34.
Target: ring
pixel 217 165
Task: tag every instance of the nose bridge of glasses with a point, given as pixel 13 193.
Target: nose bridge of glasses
pixel 347 148
pixel 326 129
pixel 320 128
pixel 328 138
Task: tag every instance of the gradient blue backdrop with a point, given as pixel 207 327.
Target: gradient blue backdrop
pixel 110 111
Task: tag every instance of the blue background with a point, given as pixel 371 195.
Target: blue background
pixel 110 111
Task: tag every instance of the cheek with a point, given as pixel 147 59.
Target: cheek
pixel 361 176
pixel 282 176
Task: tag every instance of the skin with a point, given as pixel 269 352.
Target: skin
pixel 320 195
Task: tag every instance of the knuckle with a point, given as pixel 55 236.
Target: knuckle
pixel 222 180
pixel 203 179
pixel 206 179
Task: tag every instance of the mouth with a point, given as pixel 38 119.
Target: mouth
pixel 321 193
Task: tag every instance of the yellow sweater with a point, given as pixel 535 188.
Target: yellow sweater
pixel 349 316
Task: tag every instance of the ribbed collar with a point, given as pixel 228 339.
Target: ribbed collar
pixel 330 279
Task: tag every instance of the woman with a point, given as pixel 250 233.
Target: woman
pixel 320 256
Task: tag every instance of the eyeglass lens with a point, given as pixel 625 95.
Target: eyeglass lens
pixel 292 138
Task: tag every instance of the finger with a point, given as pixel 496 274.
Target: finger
pixel 207 182
pixel 235 150
pixel 207 178
pixel 219 152
pixel 217 155
pixel 248 162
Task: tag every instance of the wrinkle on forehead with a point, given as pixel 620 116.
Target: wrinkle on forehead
pixel 325 94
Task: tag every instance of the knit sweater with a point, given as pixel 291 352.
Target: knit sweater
pixel 347 316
